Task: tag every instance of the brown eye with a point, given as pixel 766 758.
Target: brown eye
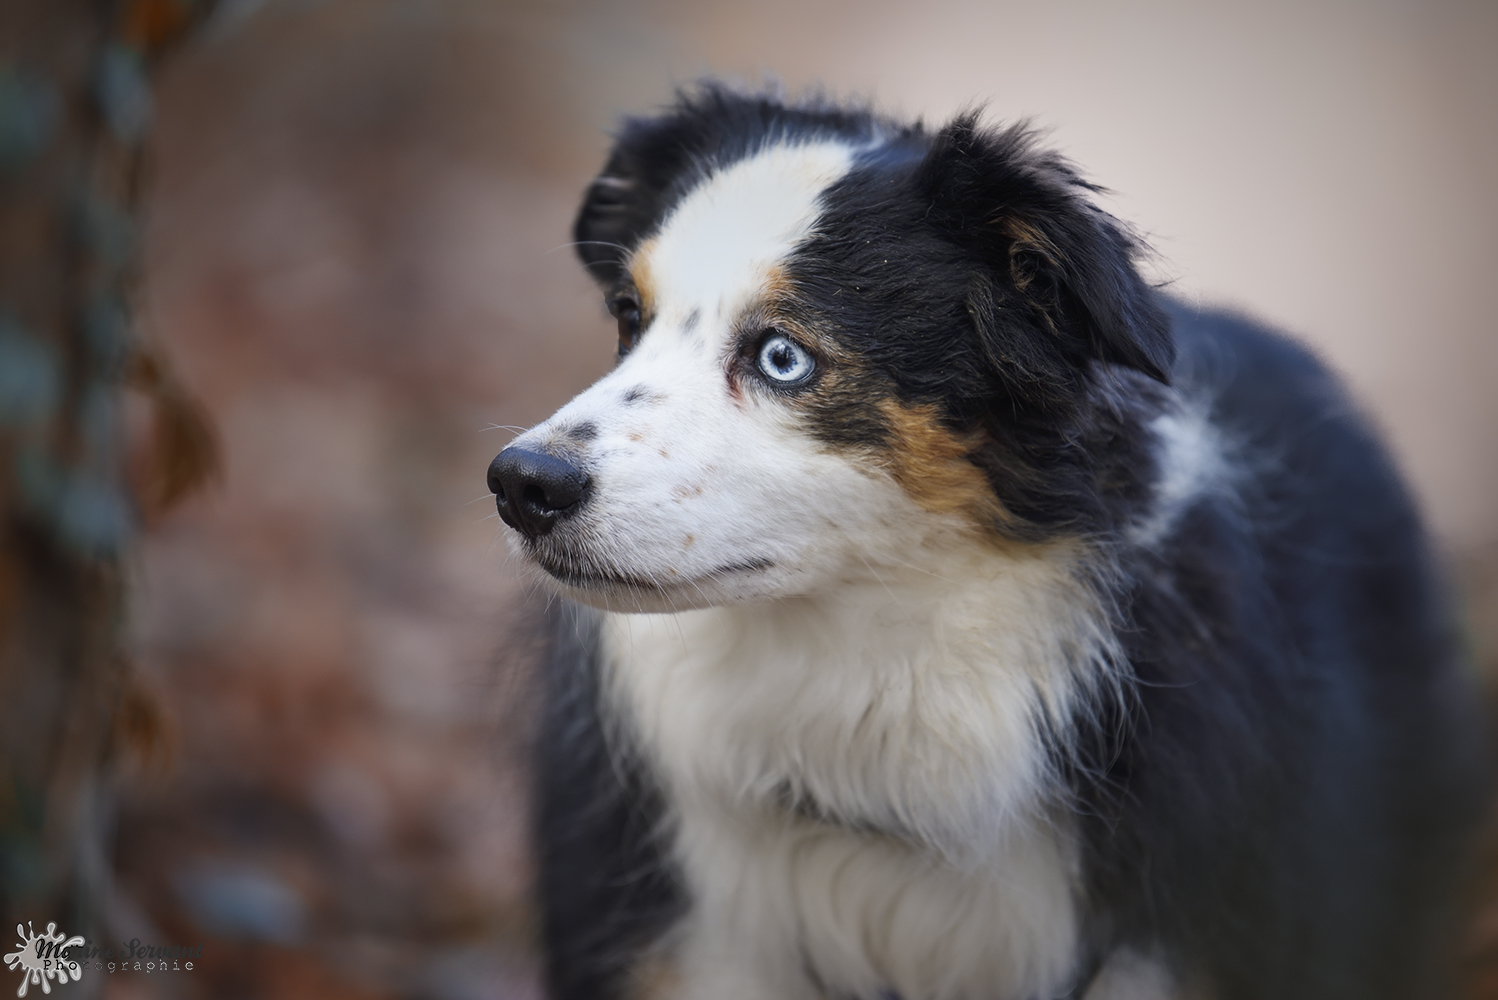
pixel 627 311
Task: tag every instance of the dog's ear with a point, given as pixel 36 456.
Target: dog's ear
pixel 1048 258
pixel 655 160
pixel 626 201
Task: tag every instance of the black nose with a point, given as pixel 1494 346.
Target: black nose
pixel 534 490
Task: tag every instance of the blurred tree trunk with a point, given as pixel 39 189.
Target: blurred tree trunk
pixel 75 106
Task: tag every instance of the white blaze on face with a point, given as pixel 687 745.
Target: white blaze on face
pixel 716 248
pixel 702 495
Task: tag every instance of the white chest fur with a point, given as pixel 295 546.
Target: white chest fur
pixel 903 714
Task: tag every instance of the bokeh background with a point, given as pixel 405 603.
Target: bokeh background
pixel 355 259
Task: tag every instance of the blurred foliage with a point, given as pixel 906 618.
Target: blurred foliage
pixel 75 108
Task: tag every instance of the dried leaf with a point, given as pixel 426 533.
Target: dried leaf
pixel 151 25
pixel 184 452
pixel 141 731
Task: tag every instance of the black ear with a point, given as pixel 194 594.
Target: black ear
pixel 1049 258
pixel 656 160
pixel 626 201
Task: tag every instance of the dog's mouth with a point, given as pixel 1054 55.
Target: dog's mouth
pixel 594 577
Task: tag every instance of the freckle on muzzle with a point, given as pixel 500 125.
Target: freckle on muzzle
pixel 534 491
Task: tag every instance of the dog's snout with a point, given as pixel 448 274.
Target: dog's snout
pixel 534 490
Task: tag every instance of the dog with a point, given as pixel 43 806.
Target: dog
pixel 951 614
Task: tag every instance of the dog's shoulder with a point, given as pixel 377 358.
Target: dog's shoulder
pixel 1294 669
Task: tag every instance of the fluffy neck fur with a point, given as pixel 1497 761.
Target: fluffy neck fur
pixel 896 727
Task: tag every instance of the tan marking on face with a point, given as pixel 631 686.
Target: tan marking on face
pixel 780 307
pixel 931 464
pixel 639 268
pixel 778 286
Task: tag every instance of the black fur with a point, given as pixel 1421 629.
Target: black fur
pixel 1285 812
pixel 1278 803
pixel 970 272
pixel 657 160
pixel 607 887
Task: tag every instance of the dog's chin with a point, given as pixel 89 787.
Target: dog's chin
pixel 643 592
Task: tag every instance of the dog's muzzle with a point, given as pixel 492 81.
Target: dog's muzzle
pixel 534 491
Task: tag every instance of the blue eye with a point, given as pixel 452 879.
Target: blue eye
pixel 783 360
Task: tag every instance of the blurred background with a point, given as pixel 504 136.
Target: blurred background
pixel 350 267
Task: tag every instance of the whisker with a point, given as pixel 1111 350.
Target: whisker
pixel 580 243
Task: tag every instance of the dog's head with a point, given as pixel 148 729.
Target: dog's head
pixel 841 340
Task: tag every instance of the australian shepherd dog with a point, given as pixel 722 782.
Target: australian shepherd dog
pixel 951 615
